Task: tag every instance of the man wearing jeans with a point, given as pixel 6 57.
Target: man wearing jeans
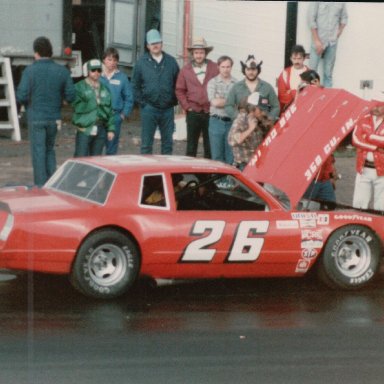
pixel 154 79
pixel 43 87
pixel 326 21
pixel 219 122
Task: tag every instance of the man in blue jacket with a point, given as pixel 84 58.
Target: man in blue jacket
pixel 154 79
pixel 121 92
pixel 43 87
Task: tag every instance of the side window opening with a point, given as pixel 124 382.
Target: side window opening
pixel 216 192
pixel 153 191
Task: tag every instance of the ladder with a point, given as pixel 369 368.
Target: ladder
pixel 9 100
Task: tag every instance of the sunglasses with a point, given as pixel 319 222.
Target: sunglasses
pixel 96 70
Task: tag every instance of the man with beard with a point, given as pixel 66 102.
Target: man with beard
pixel 289 78
pixel 252 83
pixel 191 91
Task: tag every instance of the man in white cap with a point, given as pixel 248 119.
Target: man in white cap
pixel 368 138
pixel 154 79
pixel 92 113
pixel 248 129
pixel 191 91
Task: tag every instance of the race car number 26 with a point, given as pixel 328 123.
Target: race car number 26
pixel 246 245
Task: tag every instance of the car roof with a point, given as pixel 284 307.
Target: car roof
pixel 156 163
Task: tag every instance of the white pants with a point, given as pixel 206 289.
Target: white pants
pixel 368 185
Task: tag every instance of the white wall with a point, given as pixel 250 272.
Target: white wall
pixel 360 52
pixel 240 28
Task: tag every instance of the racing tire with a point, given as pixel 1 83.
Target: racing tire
pixel 106 265
pixel 351 258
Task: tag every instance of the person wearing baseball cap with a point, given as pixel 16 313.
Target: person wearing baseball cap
pixel 153 80
pixel 191 91
pixel 368 138
pixel 93 115
pixel 249 129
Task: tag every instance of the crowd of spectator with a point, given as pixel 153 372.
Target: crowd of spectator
pixel 232 116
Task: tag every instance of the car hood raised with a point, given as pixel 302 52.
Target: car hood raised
pixel 305 136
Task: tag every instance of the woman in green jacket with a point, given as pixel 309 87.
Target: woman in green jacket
pixel 93 115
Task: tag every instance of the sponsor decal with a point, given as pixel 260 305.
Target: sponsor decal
pixel 309 253
pixel 311 239
pixel 311 243
pixel 308 223
pixel 308 234
pixel 287 224
pixel 322 219
pixel 304 215
pixel 353 217
pixel 302 266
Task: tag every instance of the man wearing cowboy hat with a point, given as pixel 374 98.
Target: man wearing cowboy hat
pixel 252 83
pixel 368 138
pixel 191 91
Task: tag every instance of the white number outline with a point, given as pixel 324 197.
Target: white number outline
pixel 244 248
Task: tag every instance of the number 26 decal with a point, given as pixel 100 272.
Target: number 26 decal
pixel 246 247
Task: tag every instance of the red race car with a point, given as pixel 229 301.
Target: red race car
pixel 106 221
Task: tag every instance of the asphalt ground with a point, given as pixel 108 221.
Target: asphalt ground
pixel 17 166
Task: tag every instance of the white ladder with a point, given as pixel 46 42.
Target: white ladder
pixel 9 102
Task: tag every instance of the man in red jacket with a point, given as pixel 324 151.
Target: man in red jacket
pixel 368 138
pixel 191 91
pixel 289 79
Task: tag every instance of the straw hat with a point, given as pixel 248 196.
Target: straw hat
pixel 199 43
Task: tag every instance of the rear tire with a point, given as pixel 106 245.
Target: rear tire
pixel 106 265
pixel 351 257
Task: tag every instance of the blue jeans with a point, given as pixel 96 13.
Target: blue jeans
pixel 218 138
pixel 151 118
pixel 42 135
pixel 90 145
pixel 329 58
pixel 112 146
pixel 321 190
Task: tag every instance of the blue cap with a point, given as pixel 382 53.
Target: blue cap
pixel 153 36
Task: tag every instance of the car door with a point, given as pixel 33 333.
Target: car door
pixel 231 233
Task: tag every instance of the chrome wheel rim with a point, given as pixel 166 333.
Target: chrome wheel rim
pixel 107 264
pixel 353 256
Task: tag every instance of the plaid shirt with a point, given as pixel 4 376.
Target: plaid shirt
pixel 243 152
pixel 217 87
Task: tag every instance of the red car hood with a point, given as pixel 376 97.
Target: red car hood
pixel 308 132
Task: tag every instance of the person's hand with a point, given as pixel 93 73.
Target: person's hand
pixel 319 47
pixel 252 123
pixel 111 135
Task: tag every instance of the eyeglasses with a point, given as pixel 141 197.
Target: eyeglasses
pixel 96 70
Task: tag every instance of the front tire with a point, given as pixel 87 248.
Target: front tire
pixel 106 265
pixel 351 257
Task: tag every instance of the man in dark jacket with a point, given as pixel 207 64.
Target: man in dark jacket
pixel 43 87
pixel 154 79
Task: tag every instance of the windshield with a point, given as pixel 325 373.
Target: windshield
pixel 85 181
